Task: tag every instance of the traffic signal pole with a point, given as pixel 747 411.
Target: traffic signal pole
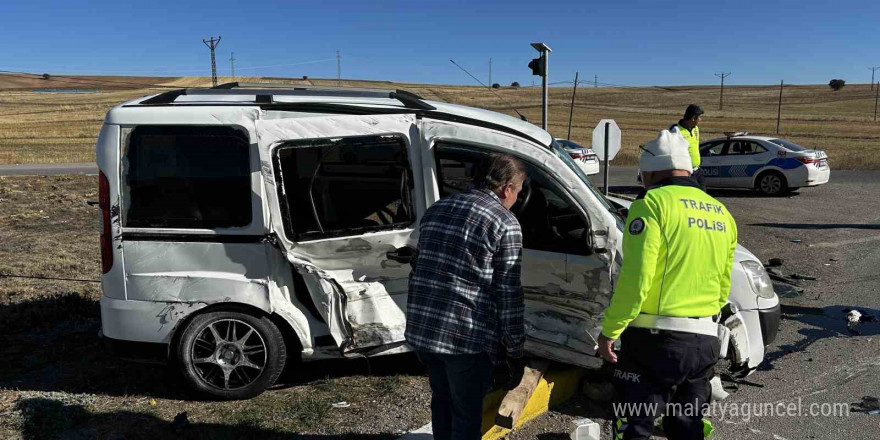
pixel 544 62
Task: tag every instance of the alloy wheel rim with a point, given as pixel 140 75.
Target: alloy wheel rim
pixel 771 184
pixel 229 354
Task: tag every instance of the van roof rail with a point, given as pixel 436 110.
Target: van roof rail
pixel 265 92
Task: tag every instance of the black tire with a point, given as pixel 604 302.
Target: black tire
pixel 231 355
pixel 772 183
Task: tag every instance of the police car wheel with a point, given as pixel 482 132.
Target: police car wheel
pixel 231 355
pixel 772 183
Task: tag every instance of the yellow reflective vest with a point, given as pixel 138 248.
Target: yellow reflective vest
pixel 678 247
pixel 693 138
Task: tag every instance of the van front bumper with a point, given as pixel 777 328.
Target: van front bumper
pixel 769 319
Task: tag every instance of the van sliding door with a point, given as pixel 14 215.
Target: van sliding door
pixel 341 192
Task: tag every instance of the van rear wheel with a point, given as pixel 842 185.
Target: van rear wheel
pixel 231 355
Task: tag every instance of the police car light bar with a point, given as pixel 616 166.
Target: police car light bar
pixel 736 133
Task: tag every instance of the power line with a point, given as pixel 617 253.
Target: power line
pixel 2 275
pixel 212 44
pixel 521 116
pixel 872 75
pixel 722 75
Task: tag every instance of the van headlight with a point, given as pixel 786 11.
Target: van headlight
pixel 758 279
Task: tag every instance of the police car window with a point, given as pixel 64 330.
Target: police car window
pixel 745 147
pixel 346 186
pixel 550 221
pixel 712 149
pixel 753 148
pixel 194 177
pixel 788 144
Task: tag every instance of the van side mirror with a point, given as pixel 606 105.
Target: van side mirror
pixel 589 242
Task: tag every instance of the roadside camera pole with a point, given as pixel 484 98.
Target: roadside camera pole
pixel 571 112
pixel 779 109
pixel 543 71
pixel 605 177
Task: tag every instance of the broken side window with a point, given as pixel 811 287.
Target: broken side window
pixel 345 186
pixel 550 221
pixel 187 177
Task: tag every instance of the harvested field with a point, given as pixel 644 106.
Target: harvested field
pixel 62 127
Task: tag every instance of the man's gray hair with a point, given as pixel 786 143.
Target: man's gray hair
pixel 497 170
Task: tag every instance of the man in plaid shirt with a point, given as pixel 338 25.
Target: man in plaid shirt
pixel 465 304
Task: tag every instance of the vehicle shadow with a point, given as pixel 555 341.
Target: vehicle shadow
pixel 817 226
pixel 51 344
pixel 746 193
pixel 821 323
pixel 46 418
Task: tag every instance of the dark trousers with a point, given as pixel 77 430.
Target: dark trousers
pixel 664 373
pixel 700 176
pixel 459 382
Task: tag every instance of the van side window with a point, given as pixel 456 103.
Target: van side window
pixel 345 186
pixel 187 177
pixel 550 221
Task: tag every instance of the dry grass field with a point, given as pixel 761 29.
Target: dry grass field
pixel 61 127
pixel 57 382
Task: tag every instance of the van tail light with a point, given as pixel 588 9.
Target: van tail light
pixel 106 236
pixel 577 154
pixel 809 160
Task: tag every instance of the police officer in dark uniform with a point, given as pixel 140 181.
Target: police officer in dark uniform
pixel 677 257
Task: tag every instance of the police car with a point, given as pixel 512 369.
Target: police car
pixel 771 165
pixel 585 158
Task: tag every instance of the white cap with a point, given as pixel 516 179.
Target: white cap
pixel 668 152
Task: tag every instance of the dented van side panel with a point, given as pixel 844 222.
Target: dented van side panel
pixel 359 292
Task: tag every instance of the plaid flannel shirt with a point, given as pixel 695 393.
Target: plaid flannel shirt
pixel 465 294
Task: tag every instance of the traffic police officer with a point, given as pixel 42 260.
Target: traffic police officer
pixel 678 253
pixel 688 127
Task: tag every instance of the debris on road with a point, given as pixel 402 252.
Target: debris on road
pixel 585 429
pixel 855 317
pixel 797 276
pixel 870 402
pixel 774 262
pixel 342 404
pixel 796 240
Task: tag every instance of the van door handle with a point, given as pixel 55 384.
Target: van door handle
pixel 401 255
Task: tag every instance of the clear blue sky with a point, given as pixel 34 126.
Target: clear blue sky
pixel 623 42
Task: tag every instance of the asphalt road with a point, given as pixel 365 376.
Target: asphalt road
pixel 48 169
pixel 814 361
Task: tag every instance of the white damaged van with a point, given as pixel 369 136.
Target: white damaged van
pixel 246 225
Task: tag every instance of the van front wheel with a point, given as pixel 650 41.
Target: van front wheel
pixel 231 355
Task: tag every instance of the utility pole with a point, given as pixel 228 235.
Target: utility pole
pixel 722 75
pixel 490 72
pixel 571 112
pixel 779 109
pixel 232 61
pixel 212 44
pixel 338 69
pixel 595 81
pixel 872 75
pixel 876 97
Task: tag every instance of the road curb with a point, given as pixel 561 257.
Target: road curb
pixel 557 386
